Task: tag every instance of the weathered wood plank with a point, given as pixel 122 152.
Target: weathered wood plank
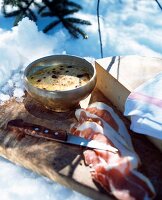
pixel 59 162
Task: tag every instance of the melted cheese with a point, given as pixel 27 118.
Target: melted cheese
pixel 60 77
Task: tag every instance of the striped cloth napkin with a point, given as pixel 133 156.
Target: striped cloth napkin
pixel 144 106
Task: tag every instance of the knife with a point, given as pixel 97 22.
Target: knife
pixel 19 126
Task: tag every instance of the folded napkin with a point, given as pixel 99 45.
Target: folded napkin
pixel 144 105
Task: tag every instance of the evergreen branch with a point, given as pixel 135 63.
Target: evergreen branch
pixel 51 25
pixel 37 4
pixel 12 14
pixel 74 30
pixel 29 4
pixel 25 11
pixel 70 28
pixel 78 21
pixel 68 12
pixel 73 4
pixel 46 3
pixel 18 18
pixel 25 8
pixel 60 14
pixel 11 2
pixel 58 9
pixel 41 9
pixel 81 32
pixel 32 15
pixel 46 14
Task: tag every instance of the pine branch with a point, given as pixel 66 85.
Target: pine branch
pixel 18 18
pixel 70 28
pixel 51 26
pixel 74 30
pixel 72 4
pixel 61 13
pixel 23 10
pixel 41 9
pixel 11 14
pixel 32 15
pixel 78 21
pixel 60 10
pixel 37 5
pixel 57 9
pixel 28 5
pixel 81 32
pixel 69 12
pixel 10 2
pixel 47 14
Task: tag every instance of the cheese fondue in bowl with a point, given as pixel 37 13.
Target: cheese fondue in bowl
pixel 60 77
pixel 60 82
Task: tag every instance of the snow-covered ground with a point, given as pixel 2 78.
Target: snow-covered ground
pixel 127 27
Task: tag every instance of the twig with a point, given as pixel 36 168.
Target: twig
pixel 99 29
pixel 160 6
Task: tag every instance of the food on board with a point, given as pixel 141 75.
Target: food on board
pixel 60 77
pixel 115 172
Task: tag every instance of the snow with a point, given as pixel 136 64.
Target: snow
pixel 17 183
pixel 130 27
pixel 18 92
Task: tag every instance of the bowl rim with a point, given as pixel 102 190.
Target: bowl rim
pixel 59 91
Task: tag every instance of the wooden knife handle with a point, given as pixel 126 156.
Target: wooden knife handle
pixel 19 126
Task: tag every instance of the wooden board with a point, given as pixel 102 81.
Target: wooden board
pixel 63 163
pixel 120 75
pixel 59 162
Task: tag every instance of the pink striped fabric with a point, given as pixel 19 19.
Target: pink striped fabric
pixel 146 99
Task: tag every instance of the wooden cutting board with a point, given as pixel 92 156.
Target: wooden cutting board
pixel 60 162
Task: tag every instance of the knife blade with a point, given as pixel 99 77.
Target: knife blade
pixel 19 126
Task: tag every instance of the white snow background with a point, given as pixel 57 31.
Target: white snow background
pixel 130 27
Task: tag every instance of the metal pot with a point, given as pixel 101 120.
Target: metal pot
pixel 59 101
